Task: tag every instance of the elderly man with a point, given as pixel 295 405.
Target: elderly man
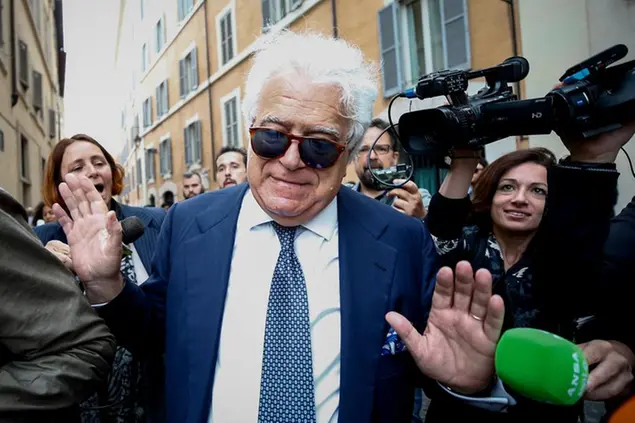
pixel 282 299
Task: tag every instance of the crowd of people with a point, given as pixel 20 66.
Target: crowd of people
pixel 286 296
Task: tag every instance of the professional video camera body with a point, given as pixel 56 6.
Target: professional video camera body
pixel 592 99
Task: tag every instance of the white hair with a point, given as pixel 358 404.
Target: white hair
pixel 324 60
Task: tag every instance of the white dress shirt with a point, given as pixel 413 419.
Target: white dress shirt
pixel 236 391
pixel 139 269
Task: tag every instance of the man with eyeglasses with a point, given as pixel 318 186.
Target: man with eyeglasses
pixel 409 199
pixel 290 298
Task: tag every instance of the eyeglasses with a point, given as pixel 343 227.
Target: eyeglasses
pixel 317 153
pixel 380 150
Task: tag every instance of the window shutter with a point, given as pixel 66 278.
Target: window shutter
pixel 52 123
pixel 183 90
pixel 24 64
pixel 198 144
pixel 229 37
pixel 180 10
pixel 169 159
pixel 158 101
pixel 389 47
pixel 456 33
pixel 166 104
pixel 194 73
pixel 266 13
pixel 188 150
pixel 37 92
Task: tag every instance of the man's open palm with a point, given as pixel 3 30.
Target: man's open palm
pixel 93 232
pixel 458 345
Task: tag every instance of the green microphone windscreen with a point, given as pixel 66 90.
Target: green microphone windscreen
pixel 542 366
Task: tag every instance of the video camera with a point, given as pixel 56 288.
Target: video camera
pixel 593 99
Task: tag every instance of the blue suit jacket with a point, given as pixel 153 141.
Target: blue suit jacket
pixel 152 218
pixel 387 262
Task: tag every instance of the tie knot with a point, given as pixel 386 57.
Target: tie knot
pixel 286 234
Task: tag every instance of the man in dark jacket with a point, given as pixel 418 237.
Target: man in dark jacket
pixel 54 349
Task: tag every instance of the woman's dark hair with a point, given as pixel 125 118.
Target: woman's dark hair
pixel 53 172
pixel 38 213
pixel 487 183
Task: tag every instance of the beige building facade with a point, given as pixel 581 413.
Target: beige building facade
pixel 32 71
pixel 183 65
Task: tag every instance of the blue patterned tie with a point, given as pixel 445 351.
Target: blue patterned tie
pixel 286 390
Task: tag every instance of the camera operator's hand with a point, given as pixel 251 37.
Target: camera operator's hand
pixel 602 149
pixel 408 199
pixel 458 180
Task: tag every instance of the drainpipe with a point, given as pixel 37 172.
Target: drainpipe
pixel 334 18
pixel 15 95
pixel 209 91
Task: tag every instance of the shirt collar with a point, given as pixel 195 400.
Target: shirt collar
pixel 324 224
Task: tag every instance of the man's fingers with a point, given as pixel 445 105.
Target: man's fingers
pixel 443 289
pixel 400 205
pixel 113 226
pixel 611 389
pixel 482 293
pixel 62 218
pixel 70 201
pixel 96 203
pixel 493 324
pixel 463 286
pixel 399 193
pixel 75 184
pixel 409 186
pixel 405 330
pixel 596 350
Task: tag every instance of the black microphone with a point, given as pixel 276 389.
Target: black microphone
pixel 513 69
pixel 132 228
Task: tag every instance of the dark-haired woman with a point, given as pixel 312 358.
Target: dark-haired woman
pixel 128 398
pixel 538 226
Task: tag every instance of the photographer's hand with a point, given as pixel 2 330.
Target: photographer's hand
pixel 458 180
pixel 408 199
pixel 602 149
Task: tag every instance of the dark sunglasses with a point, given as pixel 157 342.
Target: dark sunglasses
pixel 317 153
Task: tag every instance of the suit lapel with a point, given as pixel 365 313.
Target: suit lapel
pixel 206 291
pixel 366 272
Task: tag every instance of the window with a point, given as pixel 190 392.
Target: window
pixel 165 157
pixel 230 117
pixel 188 73
pixel 141 5
pixel 162 99
pixel 144 57
pixel 134 130
pixel 52 123
pixel 147 112
pixel 192 141
pixel 132 178
pixel 418 37
pixel 159 34
pixel 150 164
pixel 23 61
pixel 36 8
pixel 139 174
pixel 1 23
pixel 184 8
pixel 24 158
pixel 1 141
pixel 47 38
pixel 37 93
pixel 226 26
pixel 274 10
